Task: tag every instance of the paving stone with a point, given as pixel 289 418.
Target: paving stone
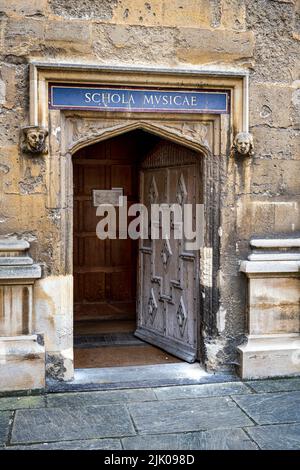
pixel 280 385
pixel 17 403
pixel 187 415
pixel 225 439
pixel 91 444
pixel 204 390
pixel 277 437
pixel 271 408
pixel 99 398
pixel 5 417
pixel 55 424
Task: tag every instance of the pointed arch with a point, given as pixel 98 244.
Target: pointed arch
pixel 170 133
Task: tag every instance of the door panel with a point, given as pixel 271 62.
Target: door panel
pixel 168 304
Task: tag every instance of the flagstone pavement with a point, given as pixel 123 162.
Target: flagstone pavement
pixel 261 414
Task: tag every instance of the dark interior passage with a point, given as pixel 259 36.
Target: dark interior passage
pixel 105 271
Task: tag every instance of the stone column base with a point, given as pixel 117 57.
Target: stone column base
pixel 266 356
pixel 22 363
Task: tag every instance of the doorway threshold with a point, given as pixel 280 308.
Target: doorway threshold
pixel 159 375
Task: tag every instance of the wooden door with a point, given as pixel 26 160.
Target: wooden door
pixel 168 304
pixel 104 270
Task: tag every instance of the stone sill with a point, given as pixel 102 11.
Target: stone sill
pixel 15 261
pixel 274 257
pixel 262 343
pixel 13 245
pixel 275 243
pixel 269 267
pixel 27 273
pixel 19 338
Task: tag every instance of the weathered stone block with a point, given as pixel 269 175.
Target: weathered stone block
pixel 274 305
pixel 271 105
pixel 277 436
pixel 204 390
pixel 287 217
pixel 133 44
pixel 271 408
pixel 205 46
pixel 266 216
pixel 18 403
pixel 269 177
pixel 29 29
pixel 24 7
pixel 197 15
pixel 22 361
pixel 279 385
pixel 266 356
pixel 54 302
pixel 163 13
pixel 275 50
pixel 291 185
pixel 88 9
pixel 22 37
pixel 98 398
pixel 255 217
pixel 8 86
pixel 90 444
pixel 225 439
pixel 5 418
pixel 196 414
pixel 67 31
pixel 273 342
pixel 15 309
pixel 233 14
pixel 276 143
pixel 62 424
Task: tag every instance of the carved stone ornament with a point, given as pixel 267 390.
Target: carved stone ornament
pixel 243 144
pixel 152 306
pixel 33 140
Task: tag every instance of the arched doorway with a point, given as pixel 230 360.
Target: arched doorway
pixel 124 286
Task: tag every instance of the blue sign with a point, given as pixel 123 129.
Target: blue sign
pixel 138 100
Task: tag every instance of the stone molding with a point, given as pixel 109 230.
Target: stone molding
pixel 15 268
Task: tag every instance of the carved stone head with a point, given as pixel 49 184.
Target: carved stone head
pixel 34 140
pixel 243 144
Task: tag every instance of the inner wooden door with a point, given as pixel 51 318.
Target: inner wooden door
pixel 104 270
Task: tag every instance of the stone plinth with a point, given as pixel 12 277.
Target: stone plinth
pixel 273 345
pixel 22 354
pixel 17 275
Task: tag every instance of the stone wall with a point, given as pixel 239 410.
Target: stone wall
pixel 259 35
